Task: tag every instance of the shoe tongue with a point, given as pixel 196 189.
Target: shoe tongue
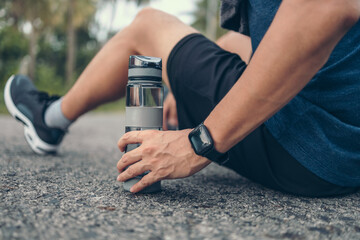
pixel 53 98
pixel 44 96
pixel 50 100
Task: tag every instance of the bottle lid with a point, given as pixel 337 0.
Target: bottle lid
pixel 141 67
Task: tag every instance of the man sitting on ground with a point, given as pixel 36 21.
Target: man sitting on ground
pixel 288 119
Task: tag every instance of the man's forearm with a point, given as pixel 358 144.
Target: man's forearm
pixel 296 46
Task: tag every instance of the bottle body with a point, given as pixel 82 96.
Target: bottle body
pixel 144 111
pixel 144 108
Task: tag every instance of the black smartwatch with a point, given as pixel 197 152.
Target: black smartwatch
pixel 203 145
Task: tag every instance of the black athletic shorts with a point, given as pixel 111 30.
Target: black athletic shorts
pixel 200 75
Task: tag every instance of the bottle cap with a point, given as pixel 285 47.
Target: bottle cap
pixel 143 67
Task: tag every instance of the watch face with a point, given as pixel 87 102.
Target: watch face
pixel 201 140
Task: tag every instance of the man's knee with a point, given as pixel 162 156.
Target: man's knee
pixel 157 29
pixel 147 13
pixel 145 22
pixel 151 17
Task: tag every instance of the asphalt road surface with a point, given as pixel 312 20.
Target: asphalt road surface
pixel 74 195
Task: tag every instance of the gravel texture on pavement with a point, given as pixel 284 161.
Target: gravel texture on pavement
pixel 74 195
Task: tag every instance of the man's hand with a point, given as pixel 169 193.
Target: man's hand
pixel 167 155
pixel 170 113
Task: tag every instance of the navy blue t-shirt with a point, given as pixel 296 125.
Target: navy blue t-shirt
pixel 320 127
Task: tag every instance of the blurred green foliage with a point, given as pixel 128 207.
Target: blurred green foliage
pixel 13 46
pixel 51 43
pixel 34 39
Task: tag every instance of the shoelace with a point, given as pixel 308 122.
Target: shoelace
pixel 44 97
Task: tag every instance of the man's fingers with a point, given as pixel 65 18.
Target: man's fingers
pixel 173 118
pixel 170 113
pixel 166 112
pixel 129 138
pixel 134 137
pixel 132 171
pixel 146 181
pixel 165 118
pixel 128 159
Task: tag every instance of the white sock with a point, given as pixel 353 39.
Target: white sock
pixel 55 118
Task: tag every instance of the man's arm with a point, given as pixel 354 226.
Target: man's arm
pixel 297 44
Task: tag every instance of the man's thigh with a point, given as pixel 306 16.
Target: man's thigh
pixel 200 74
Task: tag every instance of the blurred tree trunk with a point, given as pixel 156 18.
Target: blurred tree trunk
pixel 39 15
pixel 71 41
pixel 32 52
pixel 211 19
pixel 207 18
pixel 113 14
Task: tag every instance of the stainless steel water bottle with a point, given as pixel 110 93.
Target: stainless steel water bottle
pixel 144 103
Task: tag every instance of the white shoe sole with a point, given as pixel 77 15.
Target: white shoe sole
pixel 36 144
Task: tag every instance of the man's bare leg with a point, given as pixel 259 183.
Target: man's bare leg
pixel 236 43
pixel 152 33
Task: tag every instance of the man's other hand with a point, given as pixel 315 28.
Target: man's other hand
pixel 170 117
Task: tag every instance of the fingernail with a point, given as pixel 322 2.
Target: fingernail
pixel 118 178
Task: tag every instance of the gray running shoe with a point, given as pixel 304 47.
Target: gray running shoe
pixel 27 105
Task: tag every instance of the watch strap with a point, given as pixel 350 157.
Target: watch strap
pixel 215 156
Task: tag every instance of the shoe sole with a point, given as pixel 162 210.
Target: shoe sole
pixel 36 144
